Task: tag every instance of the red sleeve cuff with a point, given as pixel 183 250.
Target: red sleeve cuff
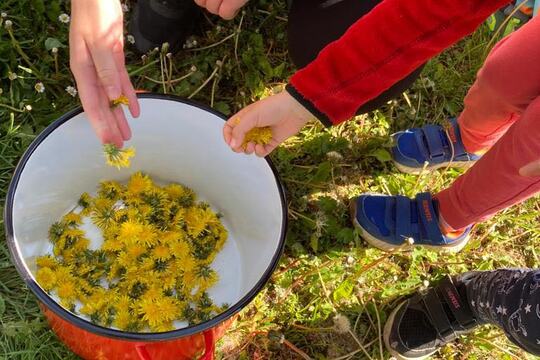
pixel 308 105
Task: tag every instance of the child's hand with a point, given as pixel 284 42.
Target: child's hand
pixel 227 9
pixel 97 62
pixel 281 112
pixel 531 170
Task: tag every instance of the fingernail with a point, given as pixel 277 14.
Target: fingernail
pixel 112 92
pixel 233 144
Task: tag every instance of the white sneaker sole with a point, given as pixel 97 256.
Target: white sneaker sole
pixel 418 171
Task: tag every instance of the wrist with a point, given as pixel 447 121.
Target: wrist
pixel 308 105
pixel 298 111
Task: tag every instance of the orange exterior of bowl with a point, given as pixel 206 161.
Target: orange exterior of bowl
pixel 91 346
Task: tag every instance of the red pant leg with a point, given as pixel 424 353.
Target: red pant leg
pixel 494 183
pixel 505 86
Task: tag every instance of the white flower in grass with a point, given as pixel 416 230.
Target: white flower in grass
pixel 425 283
pixel 54 50
pixel 125 7
pixel 12 76
pixel 71 91
pixel 39 87
pixel 342 324
pixel 3 15
pixel 28 107
pixel 130 39
pixel 8 24
pixel 64 18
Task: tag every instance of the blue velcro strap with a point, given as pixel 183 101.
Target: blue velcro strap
pixel 403 216
pixel 429 219
pixel 432 135
pixel 454 136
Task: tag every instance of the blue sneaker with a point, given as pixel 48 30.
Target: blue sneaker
pixel 435 145
pixel 398 223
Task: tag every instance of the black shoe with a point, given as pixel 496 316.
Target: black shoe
pixel 155 22
pixel 428 320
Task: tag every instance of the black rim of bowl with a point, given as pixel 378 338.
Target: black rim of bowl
pixel 100 330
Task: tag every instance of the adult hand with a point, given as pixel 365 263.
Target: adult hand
pixel 227 9
pixel 97 62
pixel 531 170
pixel 281 112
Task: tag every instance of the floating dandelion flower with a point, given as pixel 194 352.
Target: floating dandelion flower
pixel 119 158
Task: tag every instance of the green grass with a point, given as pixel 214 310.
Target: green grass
pixel 326 269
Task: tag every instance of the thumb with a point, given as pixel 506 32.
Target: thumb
pixel 109 77
pixel 531 170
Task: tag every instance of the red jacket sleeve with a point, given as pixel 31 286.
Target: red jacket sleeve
pixel 381 48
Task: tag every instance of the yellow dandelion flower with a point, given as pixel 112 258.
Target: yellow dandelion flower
pixel 81 245
pixel 112 245
pixel 46 261
pixel 195 220
pixel 175 191
pixel 145 210
pixel 121 100
pixel 67 290
pixel 73 234
pixel 72 218
pixel 153 292
pixel 150 313
pixel 180 249
pixel 147 264
pixel 123 303
pixel 130 229
pixel 63 272
pixel 110 190
pixel 119 158
pixel 189 280
pixel 135 250
pixel 85 201
pixel 168 307
pixel 163 327
pixel 167 281
pixel 138 183
pixel 103 213
pixel 46 278
pixel 67 303
pixel 189 264
pixel 85 287
pixel 122 319
pixel 94 303
pixel 161 252
pixel 125 260
pixel 148 236
pixel 170 237
pixel 259 135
